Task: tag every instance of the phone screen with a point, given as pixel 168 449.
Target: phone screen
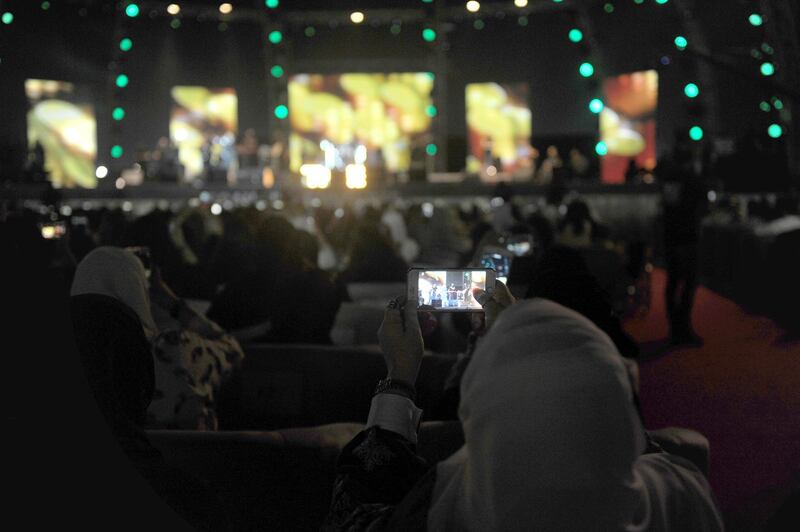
pixel 451 289
pixel 520 246
pixel 499 262
pixel 52 231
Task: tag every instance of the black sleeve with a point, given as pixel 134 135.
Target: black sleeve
pixel 375 471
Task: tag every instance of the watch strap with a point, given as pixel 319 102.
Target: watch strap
pixel 396 386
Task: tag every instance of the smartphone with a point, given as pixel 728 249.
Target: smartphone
pixel 53 230
pixel 449 289
pixel 143 254
pixel 498 260
pixel 520 245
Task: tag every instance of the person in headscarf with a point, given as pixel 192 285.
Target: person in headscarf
pixel 193 355
pixel 552 439
pixel 111 323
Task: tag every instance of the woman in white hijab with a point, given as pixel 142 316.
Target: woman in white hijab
pixel 552 439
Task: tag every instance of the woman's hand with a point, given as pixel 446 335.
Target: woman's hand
pixel 495 304
pixel 400 338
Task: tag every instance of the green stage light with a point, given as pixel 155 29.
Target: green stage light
pixel 766 48
pixel 429 34
pixel 522 21
pixel 125 44
pixel 272 4
pixel 116 151
pixel 764 106
pixel 681 43
pixel 767 69
pixel 777 103
pixel 640 2
pixel 775 131
pixel 479 24
pixel 281 112
pixel 596 105
pixel 275 37
pixel 696 133
pixel 431 149
pixel 395 29
pixel 8 17
pixel 601 148
pixel 691 90
pixel 132 10
pixel 609 7
pixel 586 70
pixel 575 35
pixel 276 71
pixel 175 23
pixel 755 19
pixel 45 5
pixel 431 110
pixel 122 81
pixel 661 1
pixel 310 31
pixel 431 75
pixel 118 113
pixel 427 1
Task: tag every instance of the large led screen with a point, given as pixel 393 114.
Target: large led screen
pixel 499 128
pixel 628 124
pixel 203 127
pixel 359 120
pixel 61 122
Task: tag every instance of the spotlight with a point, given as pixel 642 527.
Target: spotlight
pixel 8 17
pixel 691 90
pixel 755 19
pixel 132 10
pixel 101 172
pixel 586 70
pixel 681 43
pixel 116 151
pixel 601 148
pixel 520 3
pixel 775 131
pixel 275 37
pixel 216 209
pixel 357 17
pixel 575 35
pixel 173 9
pixel 281 112
pixel 429 34
pixel 122 81
pixel 696 133
pixel 315 176
pixel 431 149
pixel 767 69
pixel 225 8
pixel 310 31
pixel 355 176
pixel 118 113
pixel 272 4
pixel 596 105
pixel 473 6
pixel 276 71
pixel 125 44
pixel 119 183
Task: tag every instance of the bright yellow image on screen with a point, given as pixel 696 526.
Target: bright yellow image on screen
pixel 201 117
pixel 67 131
pixel 368 120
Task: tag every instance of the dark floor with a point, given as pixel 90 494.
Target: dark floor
pixel 741 390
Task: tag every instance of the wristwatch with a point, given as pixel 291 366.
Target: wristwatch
pixel 396 386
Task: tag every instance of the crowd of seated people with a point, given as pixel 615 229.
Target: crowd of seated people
pixel 154 360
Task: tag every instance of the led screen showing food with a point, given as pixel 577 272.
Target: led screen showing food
pixel 203 127
pixel 62 128
pixel 499 128
pixel 359 120
pixel 628 124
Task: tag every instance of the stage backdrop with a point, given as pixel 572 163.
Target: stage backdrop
pixel 61 120
pixel 360 120
pixel 498 123
pixel 628 123
pixel 203 127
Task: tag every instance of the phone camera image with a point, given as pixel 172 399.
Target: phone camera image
pixel 498 262
pixel 450 289
pixel 52 231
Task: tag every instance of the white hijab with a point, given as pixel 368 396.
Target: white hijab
pixel 117 273
pixel 553 441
